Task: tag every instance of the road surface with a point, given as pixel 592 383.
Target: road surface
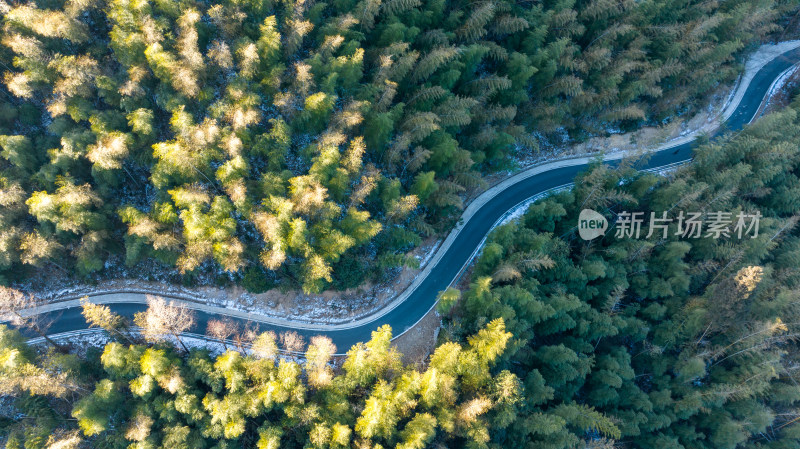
pixel 459 247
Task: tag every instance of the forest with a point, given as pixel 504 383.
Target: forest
pixel 663 341
pixel 311 145
pixel 680 342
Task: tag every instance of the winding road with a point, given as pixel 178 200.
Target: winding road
pixel 462 243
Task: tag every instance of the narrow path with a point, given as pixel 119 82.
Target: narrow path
pixel 463 243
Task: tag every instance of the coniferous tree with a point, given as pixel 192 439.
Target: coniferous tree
pixel 298 112
pixel 664 340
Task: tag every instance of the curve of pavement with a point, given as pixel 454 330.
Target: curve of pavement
pixel 464 242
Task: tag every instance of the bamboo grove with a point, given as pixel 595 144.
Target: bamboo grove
pixel 153 397
pixel 653 342
pixel 313 144
pixel 678 342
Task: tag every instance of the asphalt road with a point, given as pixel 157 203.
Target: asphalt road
pixel 423 298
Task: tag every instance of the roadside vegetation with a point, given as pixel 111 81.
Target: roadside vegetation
pixel 313 144
pixel 661 342
pixel 136 396
pixel 679 342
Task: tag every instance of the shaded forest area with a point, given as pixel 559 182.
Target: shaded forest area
pixel 661 342
pixel 680 342
pixel 313 144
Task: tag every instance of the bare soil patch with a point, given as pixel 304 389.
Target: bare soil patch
pixel 419 342
pixel 783 96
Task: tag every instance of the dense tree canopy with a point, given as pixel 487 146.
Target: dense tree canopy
pixel 136 397
pixel 662 341
pixel 313 143
pixel 680 342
